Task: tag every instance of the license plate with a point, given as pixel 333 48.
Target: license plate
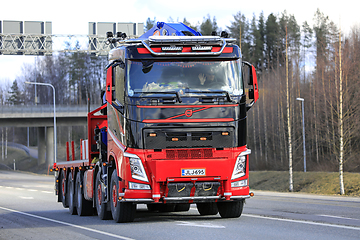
pixel 186 172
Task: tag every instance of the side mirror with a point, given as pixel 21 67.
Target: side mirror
pixel 252 81
pixel 109 84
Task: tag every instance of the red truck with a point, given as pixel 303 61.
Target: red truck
pixel 171 131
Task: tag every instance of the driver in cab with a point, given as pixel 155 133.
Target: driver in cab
pixel 207 79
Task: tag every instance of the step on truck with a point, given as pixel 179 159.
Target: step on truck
pixel 171 131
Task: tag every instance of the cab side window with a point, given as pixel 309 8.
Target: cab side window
pixel 119 83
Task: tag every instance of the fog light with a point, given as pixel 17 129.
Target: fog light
pixel 242 183
pixel 139 186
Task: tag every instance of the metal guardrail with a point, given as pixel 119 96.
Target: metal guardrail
pixel 45 108
pixel 18 146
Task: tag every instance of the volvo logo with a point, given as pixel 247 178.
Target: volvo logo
pixel 188 112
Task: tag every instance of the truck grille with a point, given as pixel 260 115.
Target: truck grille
pixel 189 153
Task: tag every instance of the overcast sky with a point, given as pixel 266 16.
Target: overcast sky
pixel 72 16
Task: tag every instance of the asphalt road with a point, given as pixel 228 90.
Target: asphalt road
pixel 28 210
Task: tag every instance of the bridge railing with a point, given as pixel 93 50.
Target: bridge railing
pixel 6 109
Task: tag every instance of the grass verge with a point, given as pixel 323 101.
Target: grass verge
pixel 23 162
pixel 309 182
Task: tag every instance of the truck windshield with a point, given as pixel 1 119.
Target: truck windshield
pixel 184 77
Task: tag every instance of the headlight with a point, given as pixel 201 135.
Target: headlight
pixel 139 186
pixel 137 168
pixel 240 165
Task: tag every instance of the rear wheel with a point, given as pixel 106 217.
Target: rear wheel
pixel 62 195
pixel 83 206
pixel 65 193
pixel 101 207
pixel 207 208
pixel 120 211
pixel 71 191
pixel 230 209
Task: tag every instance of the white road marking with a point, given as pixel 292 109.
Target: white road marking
pixel 30 190
pixel 205 225
pixel 331 216
pixel 302 221
pixel 46 192
pixel 68 224
pixel 26 197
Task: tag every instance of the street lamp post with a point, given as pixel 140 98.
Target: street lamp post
pixel 53 88
pixel 303 125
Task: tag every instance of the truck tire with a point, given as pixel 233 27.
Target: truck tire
pixel 101 207
pixel 120 211
pixel 71 191
pixel 182 207
pixel 63 190
pixel 209 208
pixel 230 209
pixel 168 207
pixel 83 206
pixel 153 207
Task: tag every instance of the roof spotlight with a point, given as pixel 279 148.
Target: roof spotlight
pixel 224 34
pixel 109 35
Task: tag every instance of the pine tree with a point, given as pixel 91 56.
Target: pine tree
pixel 149 24
pixel 239 29
pixel 261 40
pixel 15 97
pixel 208 26
pixel 271 41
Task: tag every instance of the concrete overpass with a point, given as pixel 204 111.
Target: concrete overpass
pixel 42 117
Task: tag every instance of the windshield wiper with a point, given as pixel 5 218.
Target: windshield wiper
pixel 169 92
pixel 217 92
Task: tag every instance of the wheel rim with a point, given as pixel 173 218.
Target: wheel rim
pixel 114 198
pixel 78 194
pixel 63 187
pixel 99 194
pixel 71 196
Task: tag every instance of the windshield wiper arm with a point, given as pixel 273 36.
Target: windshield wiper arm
pixel 222 92
pixel 169 92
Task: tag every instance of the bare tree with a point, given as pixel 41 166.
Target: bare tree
pixel 341 127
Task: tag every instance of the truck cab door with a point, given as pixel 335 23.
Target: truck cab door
pixel 251 78
pixel 109 85
pixel 115 88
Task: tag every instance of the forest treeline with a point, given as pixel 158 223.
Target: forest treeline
pixel 270 43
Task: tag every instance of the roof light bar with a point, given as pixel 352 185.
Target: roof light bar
pixel 201 48
pixel 193 39
pixel 171 48
pixel 173 53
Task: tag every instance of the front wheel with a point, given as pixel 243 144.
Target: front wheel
pixel 120 211
pixel 182 207
pixel 209 208
pixel 230 209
